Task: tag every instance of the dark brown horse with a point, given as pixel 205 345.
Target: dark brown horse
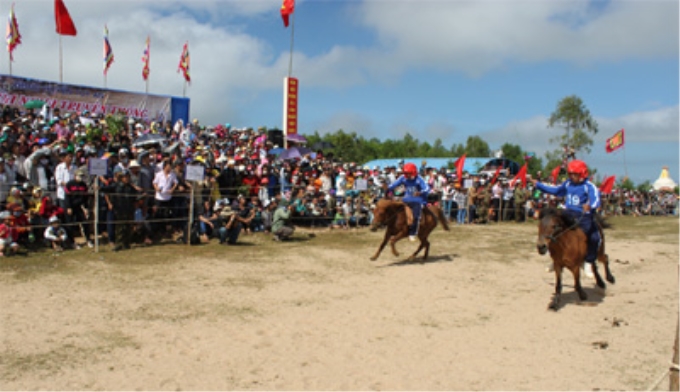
pixel 559 234
pixel 393 215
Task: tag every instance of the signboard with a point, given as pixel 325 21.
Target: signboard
pixel 16 91
pixel 361 184
pixel 195 173
pixel 97 166
pixel 290 106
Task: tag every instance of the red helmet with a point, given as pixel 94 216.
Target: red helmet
pixel 411 169
pixel 578 167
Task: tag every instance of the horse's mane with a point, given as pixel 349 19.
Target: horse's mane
pixel 568 220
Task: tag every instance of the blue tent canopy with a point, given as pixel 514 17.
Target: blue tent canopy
pixel 472 165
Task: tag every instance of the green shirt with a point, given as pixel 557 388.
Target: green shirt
pixel 281 215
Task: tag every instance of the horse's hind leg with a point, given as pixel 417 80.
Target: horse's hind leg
pixel 427 250
pixel 555 302
pixel 604 259
pixel 576 271
pixel 420 247
pixel 598 278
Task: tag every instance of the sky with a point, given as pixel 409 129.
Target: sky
pixel 444 69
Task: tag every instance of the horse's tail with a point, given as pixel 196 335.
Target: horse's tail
pixel 442 218
pixel 604 224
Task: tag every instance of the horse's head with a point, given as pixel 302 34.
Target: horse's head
pixel 549 224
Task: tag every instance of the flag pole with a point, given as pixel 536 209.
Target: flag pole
pixel 625 167
pixel 147 85
pixel 61 73
pixel 184 89
pixel 292 34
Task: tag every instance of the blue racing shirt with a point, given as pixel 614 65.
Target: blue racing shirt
pixel 417 184
pixel 575 195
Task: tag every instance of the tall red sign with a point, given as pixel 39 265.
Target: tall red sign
pixel 290 106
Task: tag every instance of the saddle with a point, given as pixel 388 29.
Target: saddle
pixel 409 213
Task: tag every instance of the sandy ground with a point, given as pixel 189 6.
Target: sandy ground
pixel 316 314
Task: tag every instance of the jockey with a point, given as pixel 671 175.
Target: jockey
pixel 415 194
pixel 582 199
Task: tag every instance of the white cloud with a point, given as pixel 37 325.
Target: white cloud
pixel 653 126
pixel 477 36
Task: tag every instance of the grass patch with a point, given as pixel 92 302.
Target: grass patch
pixel 15 365
pixel 182 312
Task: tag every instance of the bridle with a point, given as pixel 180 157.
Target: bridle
pixel 553 236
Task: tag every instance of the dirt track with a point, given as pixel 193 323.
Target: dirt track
pixel 316 314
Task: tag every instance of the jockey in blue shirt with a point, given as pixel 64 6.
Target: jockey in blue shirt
pixel 415 194
pixel 582 199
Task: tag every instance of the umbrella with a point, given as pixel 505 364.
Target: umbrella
pixel 294 137
pixel 169 149
pixel 34 104
pixel 148 139
pixel 276 151
pixel 322 145
pixel 294 152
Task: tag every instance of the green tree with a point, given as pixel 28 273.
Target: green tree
pixel 626 183
pixel 475 146
pixel 574 118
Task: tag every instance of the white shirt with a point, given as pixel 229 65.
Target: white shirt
pixel 63 175
pixel 165 184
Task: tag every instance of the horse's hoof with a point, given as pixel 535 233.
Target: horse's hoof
pixel 601 285
pixel 374 258
pixel 582 295
pixel 610 279
pixel 553 306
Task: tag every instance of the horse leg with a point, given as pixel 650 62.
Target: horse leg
pixel 598 279
pixel 576 271
pixel 555 302
pixel 382 246
pixel 427 249
pixel 420 247
pixel 604 259
pixel 396 238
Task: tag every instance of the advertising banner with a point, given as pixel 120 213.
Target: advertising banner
pixel 16 91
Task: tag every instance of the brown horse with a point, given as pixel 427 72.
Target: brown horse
pixel 393 215
pixel 560 234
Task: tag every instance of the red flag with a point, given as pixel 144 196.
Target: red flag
pixel 607 185
pixel 287 8
pixel 458 164
pixel 65 25
pixel 555 172
pixel 495 176
pixel 615 142
pixel 184 62
pixel 521 175
pixel 13 35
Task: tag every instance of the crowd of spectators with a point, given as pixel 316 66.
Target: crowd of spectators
pixel 149 191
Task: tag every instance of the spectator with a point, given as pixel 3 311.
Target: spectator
pixel 281 229
pixel 56 235
pixel 7 244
